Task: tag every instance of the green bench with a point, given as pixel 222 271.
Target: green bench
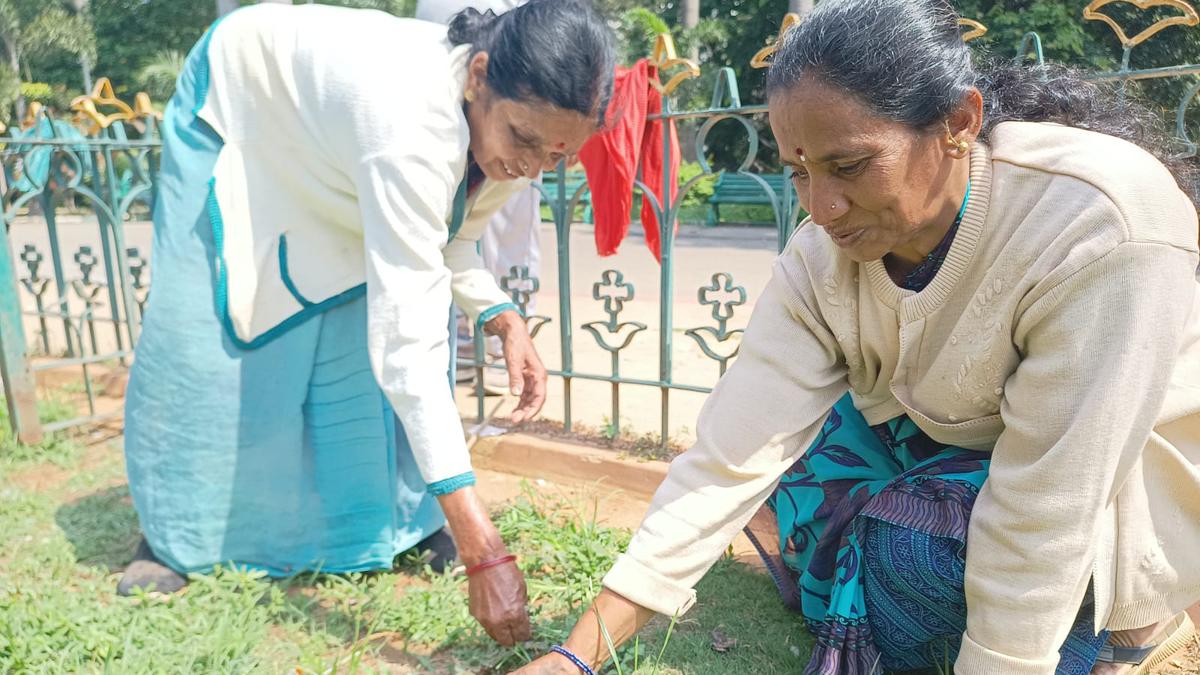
pixel 574 180
pixel 734 188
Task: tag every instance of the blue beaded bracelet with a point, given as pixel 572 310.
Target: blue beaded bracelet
pixel 583 667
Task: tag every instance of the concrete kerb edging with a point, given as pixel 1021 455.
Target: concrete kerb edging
pixel 533 457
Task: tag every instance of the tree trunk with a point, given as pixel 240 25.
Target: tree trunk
pixel 86 70
pixel 801 7
pixel 14 62
pixel 689 18
pixel 226 6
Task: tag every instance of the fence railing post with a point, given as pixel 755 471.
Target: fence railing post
pixel 20 391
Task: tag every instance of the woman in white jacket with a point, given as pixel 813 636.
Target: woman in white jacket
pixel 326 175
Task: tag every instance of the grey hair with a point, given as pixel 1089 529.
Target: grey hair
pixel 906 62
pixel 557 51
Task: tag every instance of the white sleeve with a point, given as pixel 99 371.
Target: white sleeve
pixel 404 198
pixel 1099 350
pixel 760 418
pixel 474 288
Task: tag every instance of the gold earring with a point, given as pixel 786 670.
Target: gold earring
pixel 961 146
pixel 469 96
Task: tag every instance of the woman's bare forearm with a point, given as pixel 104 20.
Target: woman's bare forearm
pixel 474 534
pixel 621 618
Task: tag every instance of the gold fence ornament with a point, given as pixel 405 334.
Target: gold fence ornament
pixel 664 57
pixel 1186 17
pixel 142 107
pixel 32 112
pixel 977 29
pixel 102 94
pixel 762 56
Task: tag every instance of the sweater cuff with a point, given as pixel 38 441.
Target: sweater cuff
pixel 975 659
pixel 493 311
pixel 637 583
pixel 448 485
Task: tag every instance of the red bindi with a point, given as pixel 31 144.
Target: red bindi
pixel 800 151
pixel 561 146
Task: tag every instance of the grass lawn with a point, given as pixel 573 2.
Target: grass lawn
pixel 67 527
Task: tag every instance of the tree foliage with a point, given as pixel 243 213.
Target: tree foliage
pixel 1068 38
pixel 745 26
pixel 57 30
pixel 130 34
pixel 157 78
pixel 10 86
pixel 37 29
pixel 133 38
pixel 33 29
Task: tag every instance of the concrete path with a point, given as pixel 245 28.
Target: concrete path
pixel 743 252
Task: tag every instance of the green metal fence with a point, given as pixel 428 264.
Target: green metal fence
pixel 723 295
pixel 73 299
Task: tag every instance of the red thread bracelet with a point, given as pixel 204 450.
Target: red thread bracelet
pixel 490 563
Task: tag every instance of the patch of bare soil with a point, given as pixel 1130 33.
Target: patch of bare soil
pixel 47 476
pixel 637 446
pixel 41 478
pixel 107 380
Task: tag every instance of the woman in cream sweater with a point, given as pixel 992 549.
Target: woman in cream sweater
pixel 327 174
pixel 969 398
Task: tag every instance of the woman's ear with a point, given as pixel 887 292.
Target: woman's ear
pixel 966 119
pixel 476 76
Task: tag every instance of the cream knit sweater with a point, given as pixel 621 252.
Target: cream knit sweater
pixel 1061 333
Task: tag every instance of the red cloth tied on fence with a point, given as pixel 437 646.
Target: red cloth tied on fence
pixel 611 159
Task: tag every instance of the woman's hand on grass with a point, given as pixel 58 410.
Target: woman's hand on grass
pixel 497 600
pixel 606 625
pixel 496 592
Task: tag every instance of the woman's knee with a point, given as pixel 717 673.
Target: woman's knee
pixel 913 589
